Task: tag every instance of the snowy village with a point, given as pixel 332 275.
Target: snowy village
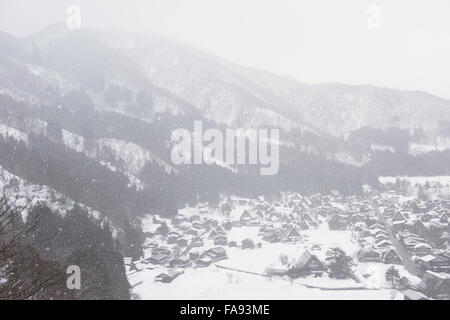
pixel 380 245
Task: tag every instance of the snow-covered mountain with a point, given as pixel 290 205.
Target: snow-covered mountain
pixel 112 98
pixel 86 118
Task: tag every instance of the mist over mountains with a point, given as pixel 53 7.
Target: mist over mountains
pixel 88 114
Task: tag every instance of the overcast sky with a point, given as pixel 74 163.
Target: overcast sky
pixel 402 44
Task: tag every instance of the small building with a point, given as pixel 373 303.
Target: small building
pixel 433 263
pixel 192 232
pixel 369 255
pixel 359 228
pixel 162 249
pixel 197 242
pixel 194 255
pixel 246 218
pixel 398 217
pixel 181 262
pixel 172 239
pixel 232 244
pixel 357 217
pixel 391 256
pixel 204 261
pixel 383 243
pixel 220 240
pixel 422 249
pixel 307 264
pixel 293 235
pixel 248 244
pixel 376 226
pixel 158 258
pixel 169 276
pixel 182 242
pixel 216 253
pixel 338 222
pixel 439 283
pixel 197 225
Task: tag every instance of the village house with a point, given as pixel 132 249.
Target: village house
pixel 420 229
pixel 433 263
pixel 182 242
pixel 192 232
pixel 438 283
pixel 246 218
pixel 181 262
pixel 422 249
pixel 293 235
pixel 398 226
pixel 369 255
pixel 338 222
pixel 383 243
pixel 303 225
pixel 158 258
pixel 357 217
pixel 248 244
pixel 271 236
pixel 217 232
pixel 194 255
pixel 220 240
pixel 216 253
pixel 274 216
pixel 179 219
pixel 391 256
pixel 359 227
pixel 197 242
pixel 194 217
pixel 260 213
pixel 381 236
pixel 204 261
pixel 307 264
pixel 172 239
pixel 232 244
pixel 162 249
pixel 169 276
pixel 377 226
pixel 428 216
pixel 398 217
pixel 197 225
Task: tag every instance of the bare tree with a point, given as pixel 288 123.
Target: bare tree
pixel 24 274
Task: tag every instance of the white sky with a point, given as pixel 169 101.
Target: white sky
pixel 313 41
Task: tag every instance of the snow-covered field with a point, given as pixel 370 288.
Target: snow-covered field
pixel 216 283
pixel 228 279
pixel 444 180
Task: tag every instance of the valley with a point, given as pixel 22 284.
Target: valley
pixel 283 249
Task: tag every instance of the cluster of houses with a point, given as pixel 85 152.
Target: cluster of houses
pixel 422 227
pixel 375 243
pixel 201 238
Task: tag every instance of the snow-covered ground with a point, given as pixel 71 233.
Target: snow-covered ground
pixel 228 279
pixel 444 180
pixel 373 274
pixel 215 283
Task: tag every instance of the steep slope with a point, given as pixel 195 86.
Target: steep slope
pixel 114 98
